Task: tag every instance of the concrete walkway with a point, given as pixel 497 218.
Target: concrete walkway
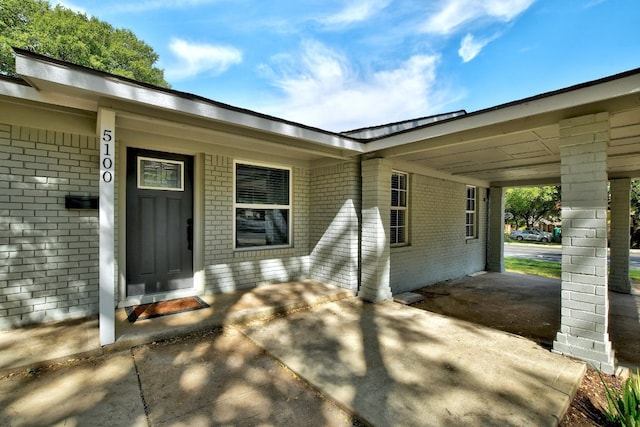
pixel 394 365
pixel 384 364
pixel 42 344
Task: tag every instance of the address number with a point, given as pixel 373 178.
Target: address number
pixel 107 160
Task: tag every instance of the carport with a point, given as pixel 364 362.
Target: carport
pixel 583 137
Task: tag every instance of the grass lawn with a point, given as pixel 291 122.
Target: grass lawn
pixel 546 268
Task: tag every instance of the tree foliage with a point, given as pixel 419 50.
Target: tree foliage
pixel 528 205
pixel 69 36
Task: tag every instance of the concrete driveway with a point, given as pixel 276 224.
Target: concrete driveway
pixel 393 365
pixel 529 306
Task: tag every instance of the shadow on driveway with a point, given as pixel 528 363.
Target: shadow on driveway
pixel 395 365
pixel 529 306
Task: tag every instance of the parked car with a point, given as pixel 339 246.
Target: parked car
pixel 532 235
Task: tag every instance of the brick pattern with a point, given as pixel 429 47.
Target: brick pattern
pixel 585 305
pixel 227 269
pixel 495 233
pixel 375 249
pixel 49 268
pixel 619 280
pixel 334 226
pixel 437 221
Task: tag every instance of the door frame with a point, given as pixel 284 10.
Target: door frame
pixel 121 225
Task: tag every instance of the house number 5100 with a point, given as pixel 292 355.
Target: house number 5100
pixel 107 159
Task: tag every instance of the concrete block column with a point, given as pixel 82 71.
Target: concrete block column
pixel 619 280
pixel 495 244
pixel 585 302
pixel 375 245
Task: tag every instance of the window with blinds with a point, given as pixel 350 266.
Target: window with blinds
pixel 470 227
pixel 262 206
pixel 398 227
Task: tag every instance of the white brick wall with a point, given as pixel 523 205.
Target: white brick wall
pixel 585 305
pixel 226 269
pixel 334 224
pixel 376 212
pixel 49 254
pixel 438 249
pixel 619 243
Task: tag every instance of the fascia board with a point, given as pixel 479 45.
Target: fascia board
pixel 37 71
pixel 536 106
pixel 29 93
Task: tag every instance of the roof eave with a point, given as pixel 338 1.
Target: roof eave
pixel 598 91
pixel 42 72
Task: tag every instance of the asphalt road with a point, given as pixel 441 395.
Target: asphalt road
pixel 553 253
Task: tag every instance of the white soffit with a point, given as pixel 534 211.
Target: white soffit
pixel 51 76
pixel 525 110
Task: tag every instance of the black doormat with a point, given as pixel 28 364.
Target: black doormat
pixel 164 308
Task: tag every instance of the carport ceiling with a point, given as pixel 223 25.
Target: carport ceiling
pixel 518 144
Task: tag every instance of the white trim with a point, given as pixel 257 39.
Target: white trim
pixel 524 109
pixel 262 206
pixel 158 297
pixel 41 72
pixel 404 209
pixel 105 128
pixel 474 211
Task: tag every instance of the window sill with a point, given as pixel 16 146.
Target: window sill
pixel 263 251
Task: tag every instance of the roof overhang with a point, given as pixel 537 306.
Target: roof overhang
pixel 511 144
pixel 518 143
pixel 153 109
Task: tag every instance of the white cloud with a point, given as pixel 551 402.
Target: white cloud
pixel 321 88
pixel 148 5
pixel 71 6
pixel 356 11
pixel 195 58
pixel 470 47
pixel 453 14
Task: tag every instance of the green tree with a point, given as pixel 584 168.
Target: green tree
pixel 528 205
pixel 69 36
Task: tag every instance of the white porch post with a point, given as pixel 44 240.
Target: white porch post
pixel 619 280
pixel 585 301
pixel 495 245
pixel 375 250
pixel 106 138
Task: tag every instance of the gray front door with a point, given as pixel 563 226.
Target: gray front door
pixel 159 222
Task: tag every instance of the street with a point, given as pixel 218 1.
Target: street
pixel 552 253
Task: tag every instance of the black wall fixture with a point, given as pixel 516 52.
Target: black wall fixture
pixel 81 202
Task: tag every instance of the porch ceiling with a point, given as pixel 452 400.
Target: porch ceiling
pixel 518 144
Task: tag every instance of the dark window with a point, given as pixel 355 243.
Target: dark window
pixel 262 206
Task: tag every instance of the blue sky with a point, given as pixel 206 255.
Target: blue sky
pixel 341 65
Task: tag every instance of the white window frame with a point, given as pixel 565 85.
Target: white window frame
pixel 237 206
pixel 471 227
pixel 393 230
